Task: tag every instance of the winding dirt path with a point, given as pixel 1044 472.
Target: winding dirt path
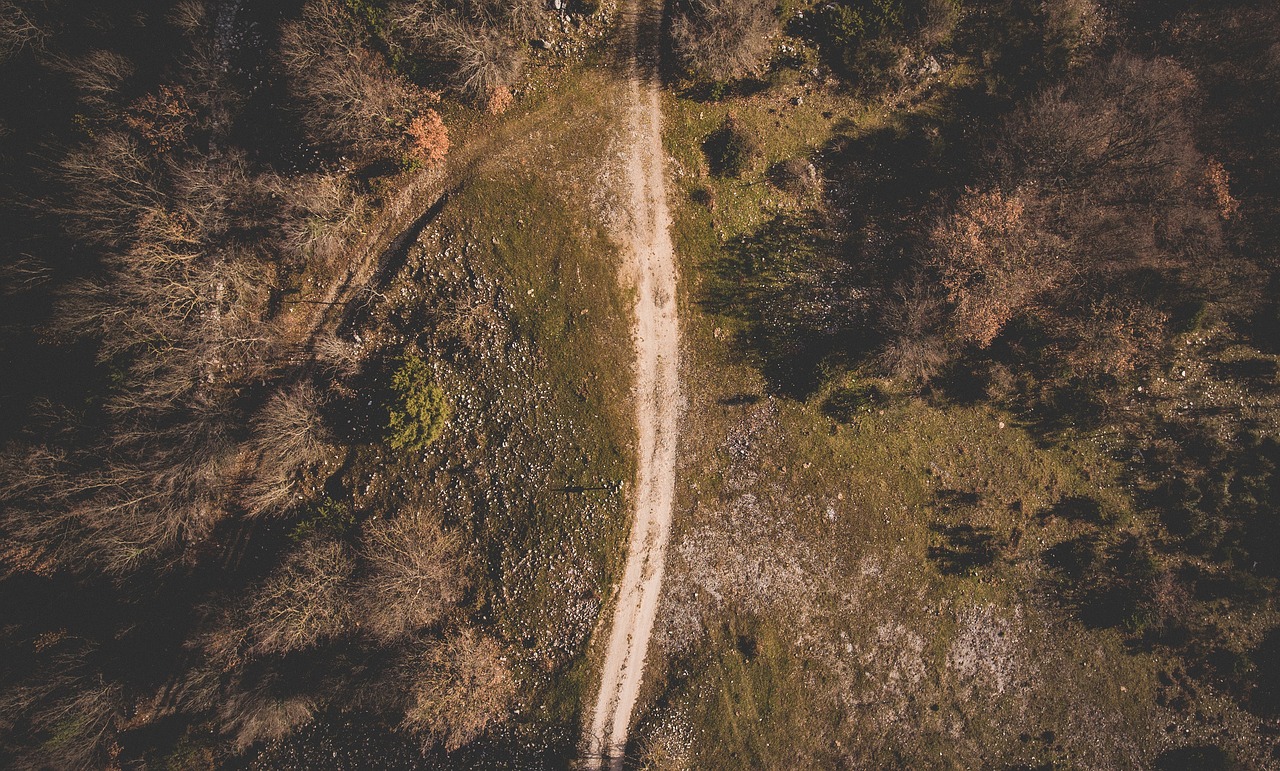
pixel 651 270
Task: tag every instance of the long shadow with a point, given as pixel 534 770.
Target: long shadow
pixel 392 261
pixel 347 739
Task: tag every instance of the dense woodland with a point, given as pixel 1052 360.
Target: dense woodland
pixel 178 176
pixel 189 568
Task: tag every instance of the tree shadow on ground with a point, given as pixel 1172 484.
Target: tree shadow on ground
pixel 965 548
pixel 1119 585
pixel 845 404
pixel 948 499
pixel 810 287
pixel 1077 508
pixel 793 290
pixel 1200 757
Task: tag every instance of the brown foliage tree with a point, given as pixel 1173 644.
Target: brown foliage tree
pixel 993 263
pixel 428 138
pixel 161 118
pixel 1099 179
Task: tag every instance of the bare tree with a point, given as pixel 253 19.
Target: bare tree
pixel 724 39
pixel 346 95
pixel 1119 130
pixel 340 356
pixel 304 601
pixel 415 575
pixel 188 15
pixel 148 488
pixel 70 705
pixel 113 183
pixel 18 30
pixel 318 211
pixel 84 723
pixel 39 531
pixel 484 57
pixel 937 21
pixel 916 348
pixel 262 709
pixel 164 486
pixel 97 75
pixel 480 41
pixel 289 429
pixel 460 687
pixel 288 436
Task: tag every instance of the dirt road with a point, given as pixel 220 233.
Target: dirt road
pixel 652 271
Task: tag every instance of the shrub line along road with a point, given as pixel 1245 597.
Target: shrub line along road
pixel 650 267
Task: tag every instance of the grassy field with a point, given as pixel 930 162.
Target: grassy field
pixel 510 294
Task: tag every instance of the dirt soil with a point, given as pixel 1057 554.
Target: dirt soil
pixel 651 269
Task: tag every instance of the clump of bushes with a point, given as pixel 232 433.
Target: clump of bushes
pixel 721 40
pixel 347 98
pixel 428 138
pixel 869 40
pixel 731 149
pixel 796 176
pixel 479 47
pixel 419 410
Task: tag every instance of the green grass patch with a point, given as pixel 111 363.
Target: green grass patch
pixel 512 297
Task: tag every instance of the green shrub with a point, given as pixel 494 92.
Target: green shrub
pixel 847 23
pixel 419 411
pixel 329 517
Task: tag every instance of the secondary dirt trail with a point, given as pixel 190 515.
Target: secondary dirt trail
pixel 651 269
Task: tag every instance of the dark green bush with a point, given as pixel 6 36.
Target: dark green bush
pixel 849 23
pixel 731 149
